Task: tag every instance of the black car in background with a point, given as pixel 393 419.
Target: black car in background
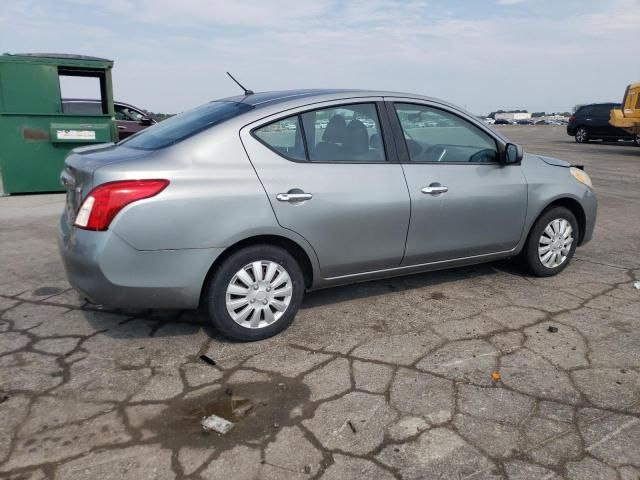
pixel 591 122
pixel 129 119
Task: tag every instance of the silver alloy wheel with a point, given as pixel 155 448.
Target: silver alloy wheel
pixel 581 134
pixel 259 294
pixel 555 243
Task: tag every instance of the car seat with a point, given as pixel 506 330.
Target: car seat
pixel 333 138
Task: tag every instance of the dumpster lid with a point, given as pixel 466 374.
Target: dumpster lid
pixel 59 59
pixel 66 56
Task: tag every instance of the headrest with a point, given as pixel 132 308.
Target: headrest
pixel 336 130
pixel 357 137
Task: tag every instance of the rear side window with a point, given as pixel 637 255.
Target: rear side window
pixel 184 125
pixel 344 133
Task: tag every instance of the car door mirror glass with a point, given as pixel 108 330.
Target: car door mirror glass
pixel 513 153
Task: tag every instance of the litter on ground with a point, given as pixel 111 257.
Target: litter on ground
pixel 216 424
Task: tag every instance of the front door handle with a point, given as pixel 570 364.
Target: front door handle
pixel 435 189
pixel 293 197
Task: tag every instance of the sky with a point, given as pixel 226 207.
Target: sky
pixel 484 55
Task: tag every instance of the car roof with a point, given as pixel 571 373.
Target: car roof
pixel 93 100
pixel 262 99
pixel 598 104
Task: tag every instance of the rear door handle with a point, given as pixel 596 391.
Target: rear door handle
pixel 293 197
pixel 435 189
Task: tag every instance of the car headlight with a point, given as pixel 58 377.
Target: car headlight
pixel 581 176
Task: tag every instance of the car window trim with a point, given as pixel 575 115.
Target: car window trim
pixel 403 149
pixel 378 105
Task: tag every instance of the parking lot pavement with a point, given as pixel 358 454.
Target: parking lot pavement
pixel 388 379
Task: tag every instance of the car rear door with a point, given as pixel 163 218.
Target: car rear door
pixel 464 201
pixel 599 121
pixel 331 177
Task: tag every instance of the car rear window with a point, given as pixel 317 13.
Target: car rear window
pixel 181 126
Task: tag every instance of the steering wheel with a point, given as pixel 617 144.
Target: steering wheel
pixel 436 151
pixel 486 155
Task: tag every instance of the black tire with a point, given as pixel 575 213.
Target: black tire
pixel 214 298
pixel 529 255
pixel 636 140
pixel 582 135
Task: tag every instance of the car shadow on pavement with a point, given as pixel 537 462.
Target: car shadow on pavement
pixel 152 323
pixel 397 284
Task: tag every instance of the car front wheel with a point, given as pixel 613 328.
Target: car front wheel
pixel 255 293
pixel 551 242
pixel 636 140
pixel 582 135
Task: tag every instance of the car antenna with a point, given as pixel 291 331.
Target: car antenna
pixel 246 91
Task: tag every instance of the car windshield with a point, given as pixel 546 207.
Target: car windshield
pixel 181 126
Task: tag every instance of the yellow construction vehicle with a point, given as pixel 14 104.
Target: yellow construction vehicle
pixel 628 117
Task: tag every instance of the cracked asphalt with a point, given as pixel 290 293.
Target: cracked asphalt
pixel 388 379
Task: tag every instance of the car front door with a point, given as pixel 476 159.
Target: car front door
pixel 330 177
pixel 464 201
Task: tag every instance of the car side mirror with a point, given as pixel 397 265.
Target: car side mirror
pixel 145 121
pixel 513 154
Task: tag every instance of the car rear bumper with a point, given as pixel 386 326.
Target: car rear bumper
pixel 571 131
pixel 108 271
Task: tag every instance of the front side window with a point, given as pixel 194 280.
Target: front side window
pixel 434 135
pixel 344 133
pixel 184 125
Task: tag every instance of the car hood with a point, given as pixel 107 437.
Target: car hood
pixel 554 161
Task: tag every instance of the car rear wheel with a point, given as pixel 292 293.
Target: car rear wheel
pixel 582 135
pixel 551 242
pixel 255 293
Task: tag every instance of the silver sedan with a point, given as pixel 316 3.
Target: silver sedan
pixel 239 206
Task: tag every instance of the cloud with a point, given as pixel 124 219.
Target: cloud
pixel 509 2
pixel 254 13
pixel 172 55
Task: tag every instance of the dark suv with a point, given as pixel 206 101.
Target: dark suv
pixel 591 122
pixel 129 119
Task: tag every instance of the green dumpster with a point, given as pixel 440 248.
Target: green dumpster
pixel 35 132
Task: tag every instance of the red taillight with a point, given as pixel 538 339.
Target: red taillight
pixel 106 200
pixel 572 118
